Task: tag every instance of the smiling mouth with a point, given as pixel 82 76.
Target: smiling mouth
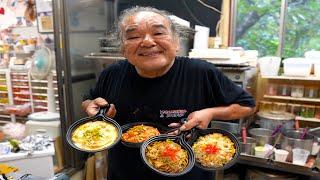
pixel 150 54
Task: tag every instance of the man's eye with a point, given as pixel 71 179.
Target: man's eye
pixel 158 33
pixel 134 37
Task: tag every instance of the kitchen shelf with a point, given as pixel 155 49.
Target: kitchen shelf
pixel 293 98
pixel 19 80
pixel 308 78
pixel 19 73
pixel 20 99
pixel 299 118
pixel 44 101
pixel 44 88
pixel 24 87
pixel 276 165
pixel 42 81
pixel 3 92
pixel 4 116
pixel 43 94
pixel 21 93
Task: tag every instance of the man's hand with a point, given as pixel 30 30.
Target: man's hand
pixel 199 119
pixel 91 107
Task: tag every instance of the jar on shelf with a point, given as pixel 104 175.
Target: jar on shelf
pixel 265 106
pixel 272 89
pixel 297 91
pixel 277 106
pixel 307 111
pixel 317 113
pixel 284 90
pixel 311 92
pixel 294 109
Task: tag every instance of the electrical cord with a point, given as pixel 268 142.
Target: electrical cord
pixel 191 13
pixel 210 7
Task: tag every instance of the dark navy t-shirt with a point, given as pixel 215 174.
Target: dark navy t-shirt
pixel 189 85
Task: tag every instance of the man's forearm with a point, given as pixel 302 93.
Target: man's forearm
pixel 233 111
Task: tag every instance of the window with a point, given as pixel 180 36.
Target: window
pixel 258 26
pixel 302 27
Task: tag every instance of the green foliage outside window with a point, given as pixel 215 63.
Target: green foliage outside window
pixel 258 26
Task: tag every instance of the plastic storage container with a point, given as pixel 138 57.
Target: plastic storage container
pixel 269 66
pixel 294 109
pixel 265 106
pixel 272 89
pixel 311 92
pixel 297 67
pixel 279 107
pixel 297 91
pixel 284 90
pixel 317 69
pixel 307 111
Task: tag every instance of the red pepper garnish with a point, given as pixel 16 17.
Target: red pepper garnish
pixel 170 152
pixel 211 149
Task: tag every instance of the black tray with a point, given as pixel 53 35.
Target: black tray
pixel 162 129
pixel 99 117
pixel 201 132
pixel 177 139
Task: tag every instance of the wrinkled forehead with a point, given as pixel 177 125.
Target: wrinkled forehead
pixel 145 18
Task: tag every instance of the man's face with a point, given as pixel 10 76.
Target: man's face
pixel 149 44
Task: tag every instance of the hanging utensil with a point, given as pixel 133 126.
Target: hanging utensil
pixel 304 133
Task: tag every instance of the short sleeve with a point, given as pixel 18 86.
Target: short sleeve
pixel 226 92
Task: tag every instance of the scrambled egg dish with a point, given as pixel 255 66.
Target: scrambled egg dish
pixel 94 135
pixel 213 150
pixel 139 133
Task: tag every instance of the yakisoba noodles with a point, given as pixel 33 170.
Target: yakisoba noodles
pixel 213 150
pixel 94 135
pixel 139 133
pixel 167 156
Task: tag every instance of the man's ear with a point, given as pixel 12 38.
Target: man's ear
pixel 122 50
pixel 177 44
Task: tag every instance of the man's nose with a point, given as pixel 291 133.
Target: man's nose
pixel 148 41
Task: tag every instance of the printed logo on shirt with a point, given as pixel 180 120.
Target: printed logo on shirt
pixel 172 113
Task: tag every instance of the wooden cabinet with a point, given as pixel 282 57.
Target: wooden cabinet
pixel 303 92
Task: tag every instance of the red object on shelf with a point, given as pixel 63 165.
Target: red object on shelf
pixel 20 110
pixel 2 10
pixel 244 135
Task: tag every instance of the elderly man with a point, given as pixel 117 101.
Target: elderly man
pixel 154 85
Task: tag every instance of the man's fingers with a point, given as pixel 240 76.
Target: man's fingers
pixel 176 132
pixel 189 124
pixel 92 111
pixel 174 125
pixel 112 111
pixel 100 102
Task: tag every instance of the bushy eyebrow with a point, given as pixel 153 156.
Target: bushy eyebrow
pixel 160 26
pixel 133 28
pixel 130 29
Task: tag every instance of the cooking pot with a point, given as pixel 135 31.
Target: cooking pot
pixel 292 139
pixel 273 119
pixel 248 147
pixel 262 136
